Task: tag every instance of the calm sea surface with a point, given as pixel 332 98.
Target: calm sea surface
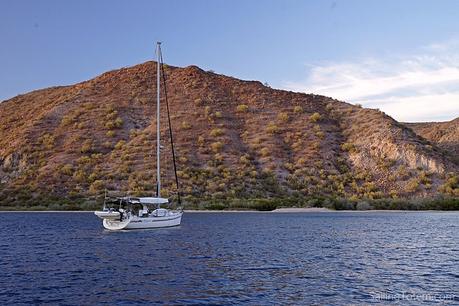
pixel 232 258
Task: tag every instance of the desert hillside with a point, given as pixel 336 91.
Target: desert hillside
pixel 444 134
pixel 234 139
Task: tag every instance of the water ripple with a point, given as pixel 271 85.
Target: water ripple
pixel 231 259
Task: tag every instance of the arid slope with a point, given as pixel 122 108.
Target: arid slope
pixel 234 139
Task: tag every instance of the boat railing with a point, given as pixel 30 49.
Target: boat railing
pixel 119 197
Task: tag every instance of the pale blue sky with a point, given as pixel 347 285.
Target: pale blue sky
pixel 394 55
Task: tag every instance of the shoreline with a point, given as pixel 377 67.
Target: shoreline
pixel 278 210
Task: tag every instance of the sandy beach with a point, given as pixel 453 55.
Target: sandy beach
pixel 278 210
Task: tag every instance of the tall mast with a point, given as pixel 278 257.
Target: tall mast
pixel 158 77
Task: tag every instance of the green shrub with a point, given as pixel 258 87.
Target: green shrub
pixel 215 206
pixel 96 156
pixel 67 169
pixel 393 194
pixel 92 177
pixel 47 140
pixel 216 146
pixel 218 157
pixel 264 204
pixel 451 185
pixel 245 159
pixel 348 147
pixel 83 160
pixel 110 133
pixel 96 186
pixel 110 124
pixel 283 117
pixel 315 117
pixel 315 145
pixel 201 141
pixel 87 146
pixel 265 152
pixel 218 114
pixel 134 133
pixel 402 172
pixel 107 145
pixel 67 120
pixel 125 156
pixel 424 178
pixel 242 108
pixel 272 128
pixel 301 162
pixel 185 125
pixel 298 109
pixel 120 144
pixel 320 134
pixel 119 122
pixel 369 187
pixel 111 114
pixel 207 111
pixel 412 185
pixel 79 176
pixel 216 132
pixel 363 205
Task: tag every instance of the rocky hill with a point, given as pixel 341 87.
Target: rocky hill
pixel 443 134
pixel 234 139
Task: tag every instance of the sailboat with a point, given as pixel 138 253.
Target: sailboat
pixel 146 212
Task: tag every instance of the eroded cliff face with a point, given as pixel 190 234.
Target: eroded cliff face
pixel 233 138
pixel 12 167
pixel 444 134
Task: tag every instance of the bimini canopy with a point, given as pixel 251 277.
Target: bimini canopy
pixel 151 200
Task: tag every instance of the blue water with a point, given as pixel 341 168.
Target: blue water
pixel 232 258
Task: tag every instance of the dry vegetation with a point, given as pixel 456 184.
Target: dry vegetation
pixel 237 142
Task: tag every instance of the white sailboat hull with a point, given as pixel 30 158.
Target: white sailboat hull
pixel 155 222
pixel 134 222
pixel 115 225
